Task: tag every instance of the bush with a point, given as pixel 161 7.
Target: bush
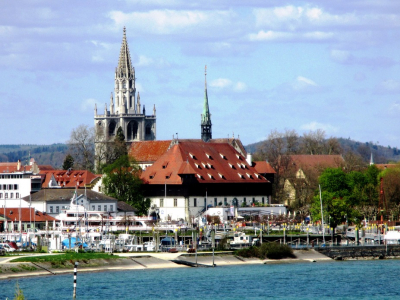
pixel 267 250
pixel 275 251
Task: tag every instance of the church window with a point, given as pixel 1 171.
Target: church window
pixel 132 130
pixel 124 84
pixel 111 128
pixel 148 129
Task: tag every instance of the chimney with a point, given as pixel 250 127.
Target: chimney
pixel 249 159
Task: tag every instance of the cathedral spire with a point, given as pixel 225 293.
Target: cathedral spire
pixel 125 68
pixel 206 133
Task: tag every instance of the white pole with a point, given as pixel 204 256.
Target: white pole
pixel 322 214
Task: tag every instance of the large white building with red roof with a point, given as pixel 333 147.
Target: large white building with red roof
pixel 191 176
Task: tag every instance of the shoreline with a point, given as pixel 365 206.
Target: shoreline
pixel 142 261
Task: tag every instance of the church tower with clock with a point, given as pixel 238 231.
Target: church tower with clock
pixel 125 109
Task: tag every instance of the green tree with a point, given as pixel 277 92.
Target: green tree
pixel 336 197
pixel 68 162
pixel 122 181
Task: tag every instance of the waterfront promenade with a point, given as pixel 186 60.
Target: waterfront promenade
pixel 149 260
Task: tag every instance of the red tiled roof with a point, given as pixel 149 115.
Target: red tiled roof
pixel 68 179
pixel 12 167
pixel 12 214
pixel 263 167
pixel 148 151
pixel 307 161
pixel 387 166
pixel 210 162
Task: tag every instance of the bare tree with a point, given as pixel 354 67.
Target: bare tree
pixel 275 150
pixel 81 147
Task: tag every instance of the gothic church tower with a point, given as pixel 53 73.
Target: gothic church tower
pixel 125 108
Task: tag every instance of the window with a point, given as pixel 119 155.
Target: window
pixel 175 202
pixel 215 201
pixel 51 209
pixel 17 195
pixel 205 202
pixel 225 201
pixel 244 200
pixel 105 207
pixel 11 195
pixel 1 195
pixel 5 187
pixel 15 186
pixel 93 207
pixel 57 209
pixel 161 202
pixel 111 207
pixel 6 195
pixel 98 207
pixel 254 200
pixel 194 202
pixel 262 200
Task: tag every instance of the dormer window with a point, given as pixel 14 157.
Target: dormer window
pixel 164 166
pixel 222 176
pixel 209 156
pixel 232 166
pixel 241 176
pixel 223 156
pixel 152 175
pixel 192 156
pixel 198 166
pixel 168 176
pixel 209 175
pixel 249 175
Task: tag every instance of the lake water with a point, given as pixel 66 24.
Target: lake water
pixel 375 279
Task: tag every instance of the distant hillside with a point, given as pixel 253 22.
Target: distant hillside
pixel 43 154
pixel 380 153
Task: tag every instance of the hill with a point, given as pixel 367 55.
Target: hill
pixel 53 154
pixel 380 153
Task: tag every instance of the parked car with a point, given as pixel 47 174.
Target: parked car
pixel 7 247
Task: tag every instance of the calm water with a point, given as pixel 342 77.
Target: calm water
pixel 333 280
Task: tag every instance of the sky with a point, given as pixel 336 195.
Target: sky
pixel 271 65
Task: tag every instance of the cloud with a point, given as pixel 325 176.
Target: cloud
pixel 221 83
pixel 346 58
pixel 172 22
pixel 88 105
pixel 227 84
pixel 330 129
pixel 310 23
pixel 389 86
pixel 240 86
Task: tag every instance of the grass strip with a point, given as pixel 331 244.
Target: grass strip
pixel 65 257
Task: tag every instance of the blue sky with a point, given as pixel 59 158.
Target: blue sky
pixel 303 65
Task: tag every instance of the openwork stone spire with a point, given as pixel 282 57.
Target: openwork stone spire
pixel 125 68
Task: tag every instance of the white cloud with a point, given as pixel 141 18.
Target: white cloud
pixel 329 129
pixel 302 83
pixel 221 83
pixel 88 105
pixel 240 86
pixel 167 22
pixel 389 86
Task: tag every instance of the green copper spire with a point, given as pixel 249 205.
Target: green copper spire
pixel 206 134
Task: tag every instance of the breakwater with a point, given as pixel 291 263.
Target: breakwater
pixel 361 252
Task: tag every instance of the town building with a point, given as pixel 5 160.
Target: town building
pixel 18 181
pixel 192 176
pixel 69 179
pixel 17 219
pixel 125 108
pixel 301 174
